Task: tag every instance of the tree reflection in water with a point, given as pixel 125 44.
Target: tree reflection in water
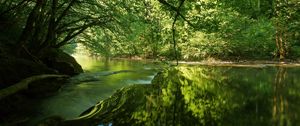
pixel 280 113
pixel 198 95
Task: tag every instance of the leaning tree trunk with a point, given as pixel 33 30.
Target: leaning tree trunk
pixel 23 84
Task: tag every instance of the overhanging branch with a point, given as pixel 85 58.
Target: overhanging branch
pixel 177 10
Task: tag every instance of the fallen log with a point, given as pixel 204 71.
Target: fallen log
pixel 23 84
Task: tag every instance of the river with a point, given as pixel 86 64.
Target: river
pixel 227 95
pixel 99 81
pixel 263 94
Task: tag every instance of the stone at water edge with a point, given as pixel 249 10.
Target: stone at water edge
pixel 61 61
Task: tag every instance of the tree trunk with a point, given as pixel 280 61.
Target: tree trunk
pixel 23 84
pixel 280 33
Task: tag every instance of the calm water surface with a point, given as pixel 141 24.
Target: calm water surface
pixel 238 96
pixel 259 95
pixel 207 96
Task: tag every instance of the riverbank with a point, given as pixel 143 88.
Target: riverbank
pixel 24 79
pixel 257 63
pixel 216 62
pixel 99 82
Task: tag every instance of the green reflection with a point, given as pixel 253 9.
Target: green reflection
pixel 100 80
pixel 204 95
pixel 86 63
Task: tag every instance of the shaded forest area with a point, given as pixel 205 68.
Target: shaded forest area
pixel 200 29
pixel 244 29
pixel 234 30
pixel 35 33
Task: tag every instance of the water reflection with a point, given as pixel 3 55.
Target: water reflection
pixel 197 95
pixel 280 112
pixel 100 80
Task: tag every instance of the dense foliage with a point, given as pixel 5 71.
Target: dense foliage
pixel 187 29
pixel 204 29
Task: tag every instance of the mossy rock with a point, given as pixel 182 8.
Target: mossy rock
pixel 60 61
pixel 12 70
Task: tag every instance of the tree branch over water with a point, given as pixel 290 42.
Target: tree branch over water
pixel 177 10
pixel 177 14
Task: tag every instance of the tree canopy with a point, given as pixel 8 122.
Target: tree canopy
pixel 172 29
